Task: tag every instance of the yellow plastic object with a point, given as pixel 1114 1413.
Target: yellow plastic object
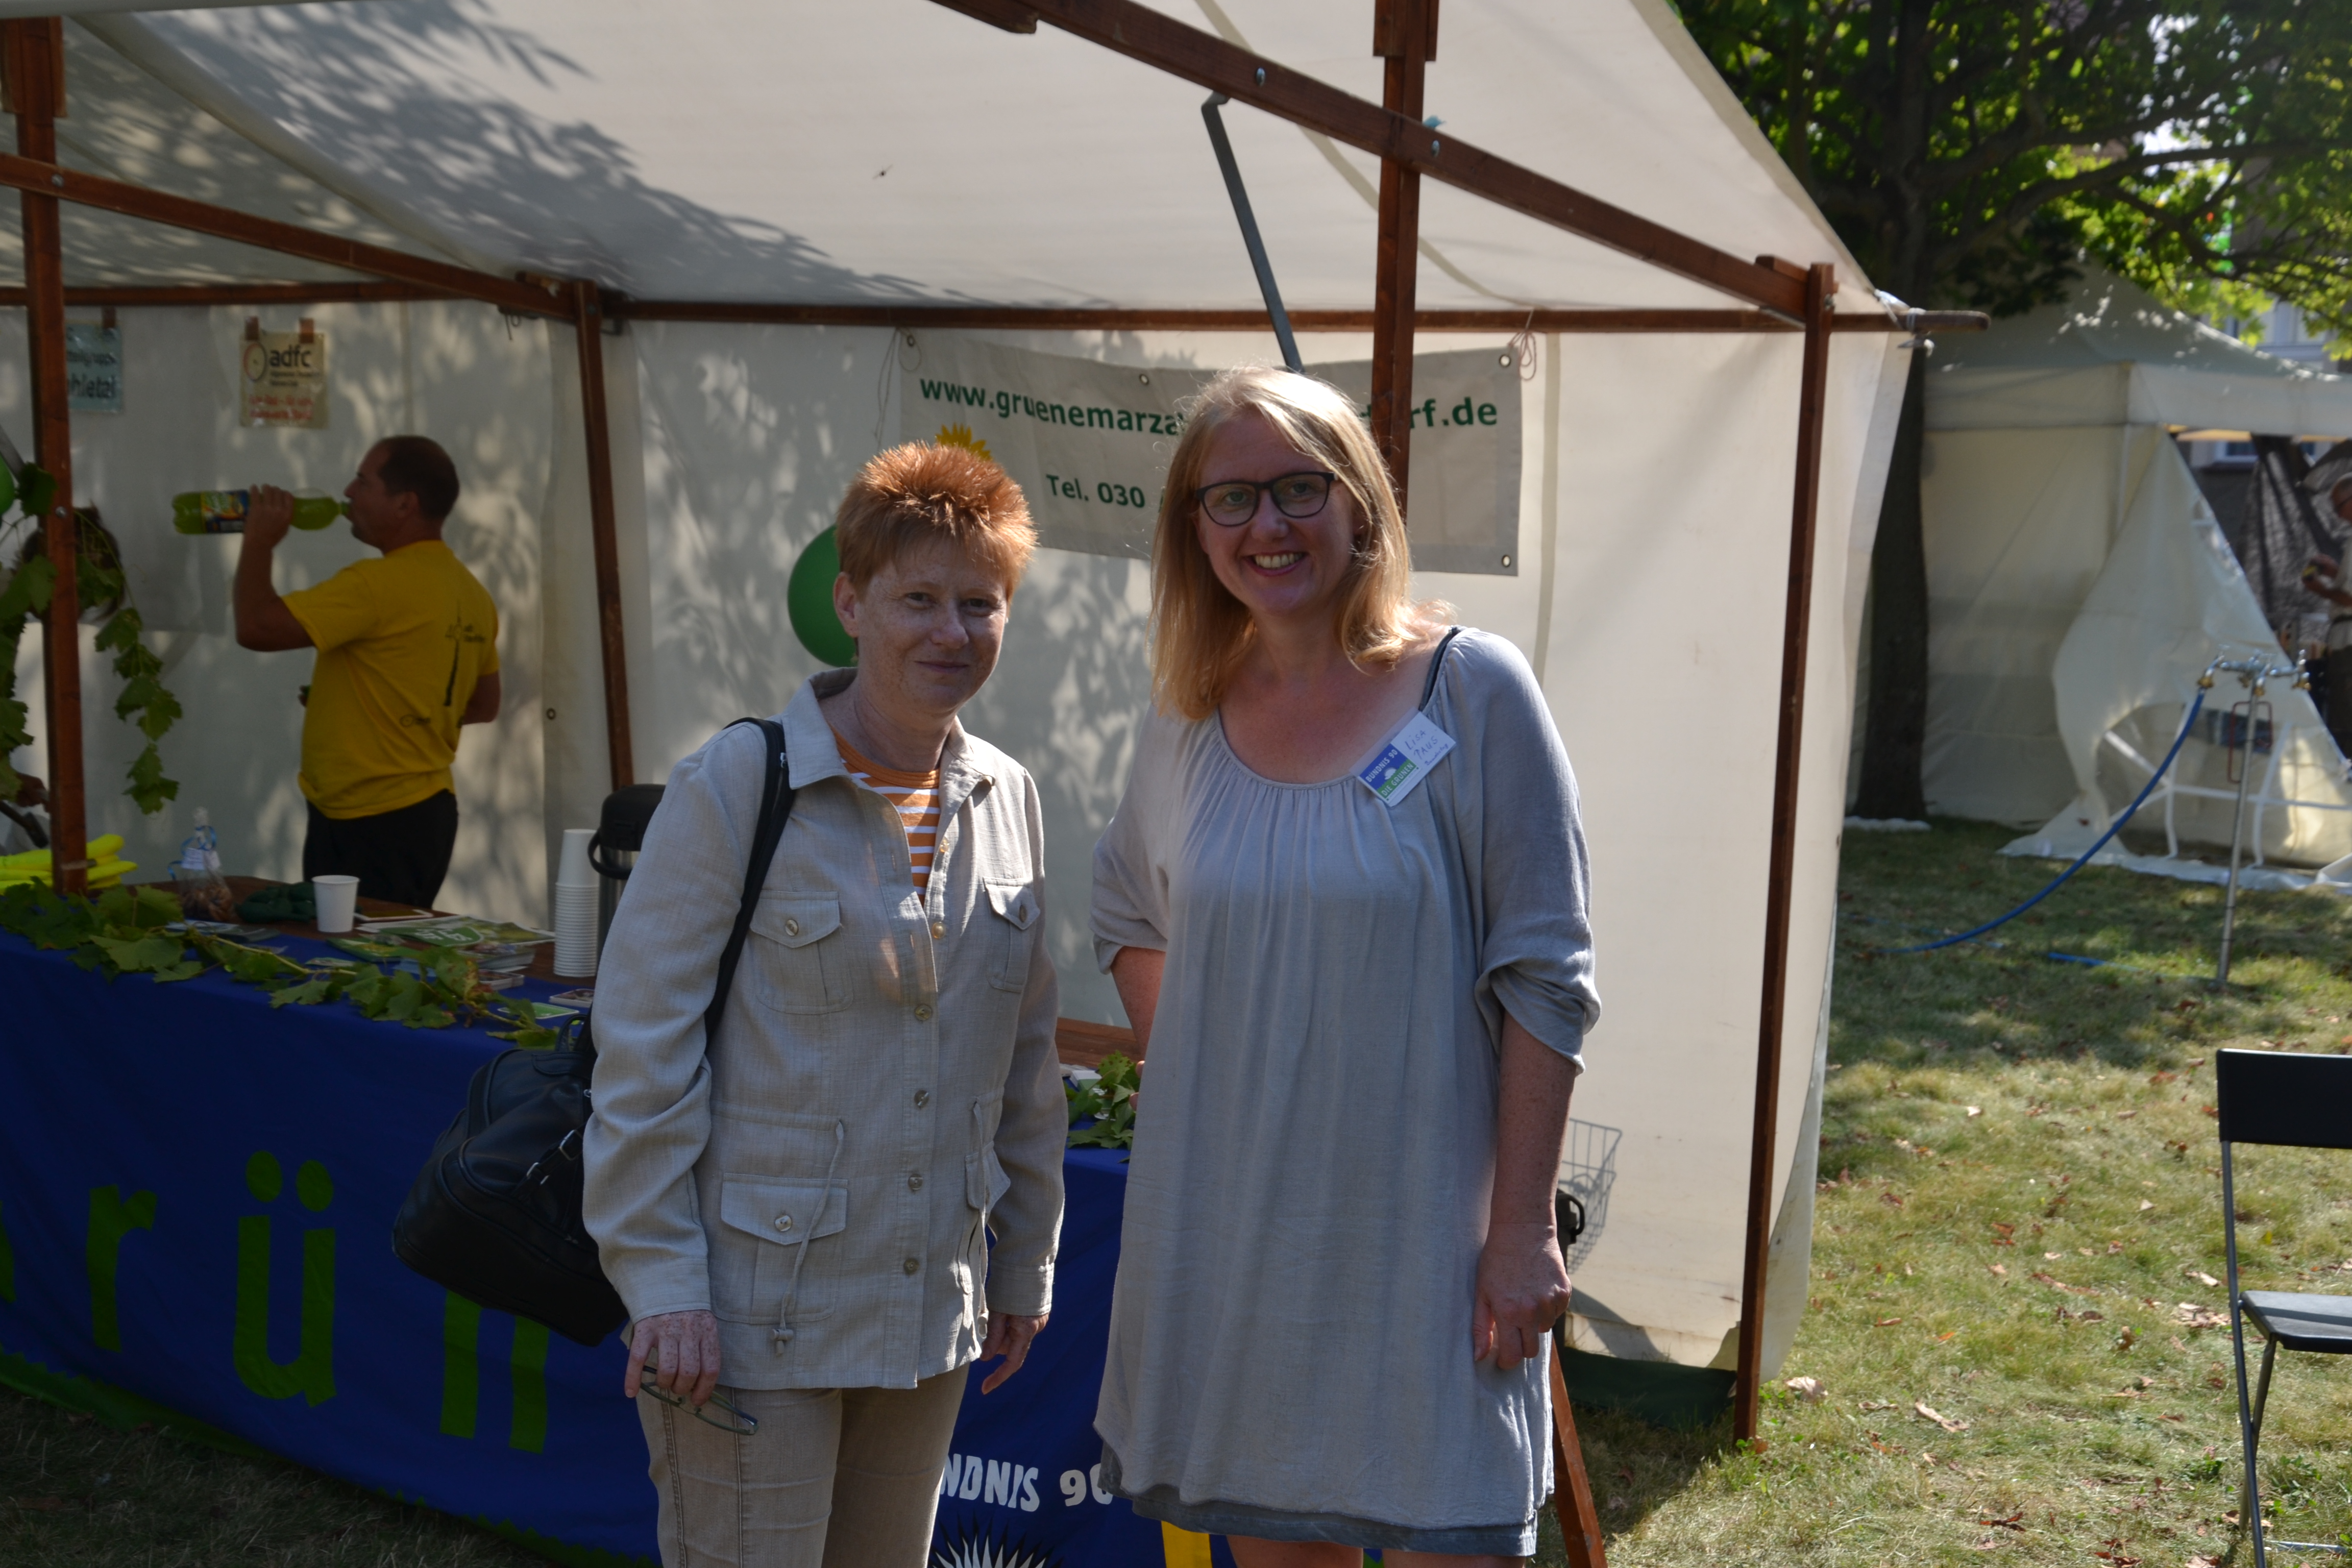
pixel 105 854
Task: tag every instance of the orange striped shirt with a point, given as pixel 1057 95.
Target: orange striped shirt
pixel 917 797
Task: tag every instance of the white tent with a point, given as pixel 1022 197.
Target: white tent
pixel 2078 583
pixel 816 184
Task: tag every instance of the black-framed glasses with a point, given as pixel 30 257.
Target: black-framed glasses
pixel 1233 502
pixel 729 1419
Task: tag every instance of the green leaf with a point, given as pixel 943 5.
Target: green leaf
pixel 149 788
pixel 27 590
pixel 148 954
pixel 36 488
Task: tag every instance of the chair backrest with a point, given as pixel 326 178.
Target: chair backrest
pixel 2285 1096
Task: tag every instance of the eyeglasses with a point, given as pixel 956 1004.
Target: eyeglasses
pixel 729 1418
pixel 1233 502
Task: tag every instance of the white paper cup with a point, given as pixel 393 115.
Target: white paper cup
pixel 572 869
pixel 339 899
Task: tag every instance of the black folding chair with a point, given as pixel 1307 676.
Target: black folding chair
pixel 2296 1101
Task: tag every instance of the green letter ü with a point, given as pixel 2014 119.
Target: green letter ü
pixel 311 1372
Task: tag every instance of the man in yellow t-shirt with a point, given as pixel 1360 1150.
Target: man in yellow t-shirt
pixel 407 655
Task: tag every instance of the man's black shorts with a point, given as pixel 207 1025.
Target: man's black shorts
pixel 399 856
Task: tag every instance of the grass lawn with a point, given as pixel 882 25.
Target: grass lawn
pixel 2021 1217
pixel 2017 1231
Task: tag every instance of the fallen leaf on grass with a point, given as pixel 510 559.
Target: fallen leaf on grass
pixel 2014 1521
pixel 2126 1115
pixel 1997 1268
pixel 1870 1405
pixel 2112 1552
pixel 1808 1389
pixel 1886 1323
pixel 1919 1407
pixel 2162 1077
pixel 2201 1560
pixel 2180 1418
pixel 1893 1198
pixel 2202 1278
pixel 2189 1314
pixel 2042 1278
pixel 2051 1256
pixel 2145 1205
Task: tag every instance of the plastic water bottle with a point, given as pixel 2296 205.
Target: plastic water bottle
pixel 196 875
pixel 224 511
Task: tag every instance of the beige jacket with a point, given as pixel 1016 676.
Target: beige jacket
pixel 884 1087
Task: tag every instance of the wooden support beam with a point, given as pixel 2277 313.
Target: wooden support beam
pixel 1404 33
pixel 1571 1488
pixel 44 176
pixel 1812 397
pixel 203 294
pixel 32 71
pixel 1081 319
pixel 588 316
pixel 1161 42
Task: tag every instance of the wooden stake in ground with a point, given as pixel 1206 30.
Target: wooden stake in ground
pixel 1572 1490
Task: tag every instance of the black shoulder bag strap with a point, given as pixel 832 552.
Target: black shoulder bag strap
pixel 776 794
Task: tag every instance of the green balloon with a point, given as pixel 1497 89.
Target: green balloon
pixel 809 598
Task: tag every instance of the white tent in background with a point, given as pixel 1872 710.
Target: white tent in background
pixel 785 189
pixel 2078 583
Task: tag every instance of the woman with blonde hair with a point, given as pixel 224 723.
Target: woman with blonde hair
pixel 1344 902
pixel 796 1212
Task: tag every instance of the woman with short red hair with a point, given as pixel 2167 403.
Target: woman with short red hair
pixel 796 1213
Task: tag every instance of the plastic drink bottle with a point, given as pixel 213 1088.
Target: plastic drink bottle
pixel 224 511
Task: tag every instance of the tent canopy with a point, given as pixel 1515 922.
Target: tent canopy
pixel 732 151
pixel 2111 354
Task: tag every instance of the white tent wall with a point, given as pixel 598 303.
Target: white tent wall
pixel 750 433
pixel 2169 599
pixel 2017 523
pixel 450 370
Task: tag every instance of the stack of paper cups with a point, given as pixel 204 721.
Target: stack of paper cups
pixel 576 908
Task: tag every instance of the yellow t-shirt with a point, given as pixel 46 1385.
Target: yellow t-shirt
pixel 402 640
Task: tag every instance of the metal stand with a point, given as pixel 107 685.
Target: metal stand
pixel 2254 674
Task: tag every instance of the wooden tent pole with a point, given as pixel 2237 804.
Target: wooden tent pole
pixel 33 48
pixel 1820 285
pixel 1405 33
pixel 588 318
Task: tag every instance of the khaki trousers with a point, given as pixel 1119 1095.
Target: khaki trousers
pixel 834 1477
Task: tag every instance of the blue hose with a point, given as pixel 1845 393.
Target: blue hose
pixel 2113 829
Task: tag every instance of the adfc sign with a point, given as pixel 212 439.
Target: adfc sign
pixel 282 377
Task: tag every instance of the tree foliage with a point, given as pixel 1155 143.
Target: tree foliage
pixel 1970 153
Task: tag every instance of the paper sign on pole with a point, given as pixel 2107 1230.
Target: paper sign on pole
pixel 93 368
pixel 1090 442
pixel 283 378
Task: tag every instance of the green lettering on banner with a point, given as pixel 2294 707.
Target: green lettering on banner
pixel 461 1377
pixel 311 1372
pixel 8 1268
pixel 528 1429
pixel 110 1219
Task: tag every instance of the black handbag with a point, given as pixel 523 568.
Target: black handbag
pixel 495 1215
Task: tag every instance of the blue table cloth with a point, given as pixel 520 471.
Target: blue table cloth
pixel 196 1194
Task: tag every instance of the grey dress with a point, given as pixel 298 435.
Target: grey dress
pixel 1290 1333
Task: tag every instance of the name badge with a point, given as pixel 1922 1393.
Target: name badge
pixel 1406 759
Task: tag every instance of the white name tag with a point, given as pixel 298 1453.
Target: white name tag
pixel 1406 759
